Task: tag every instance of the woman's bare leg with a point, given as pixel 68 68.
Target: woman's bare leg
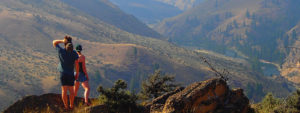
pixel 86 87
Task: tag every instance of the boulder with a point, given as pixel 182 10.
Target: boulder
pixel 211 96
pixel 158 103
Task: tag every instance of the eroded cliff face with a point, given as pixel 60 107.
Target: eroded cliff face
pixel 211 96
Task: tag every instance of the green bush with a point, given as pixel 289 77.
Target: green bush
pixel 118 99
pixel 271 104
pixel 156 85
pixel 291 104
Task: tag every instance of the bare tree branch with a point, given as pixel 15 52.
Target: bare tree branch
pixel 223 75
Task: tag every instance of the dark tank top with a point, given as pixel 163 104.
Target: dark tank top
pixel 80 67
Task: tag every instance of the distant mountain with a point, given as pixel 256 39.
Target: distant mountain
pixel 252 29
pixel 111 14
pixel 149 11
pixel 28 61
pixel 182 4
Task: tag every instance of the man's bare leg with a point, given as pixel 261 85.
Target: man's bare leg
pixel 64 96
pixel 71 96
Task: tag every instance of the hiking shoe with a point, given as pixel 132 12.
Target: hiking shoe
pixel 87 104
pixel 66 109
pixel 71 109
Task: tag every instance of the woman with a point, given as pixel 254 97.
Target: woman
pixel 82 76
pixel 67 57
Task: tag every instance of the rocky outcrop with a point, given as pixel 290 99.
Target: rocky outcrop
pixel 43 103
pixel 211 96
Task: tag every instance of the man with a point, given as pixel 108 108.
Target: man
pixel 67 57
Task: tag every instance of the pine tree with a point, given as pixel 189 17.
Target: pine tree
pixel 248 14
pixel 157 84
pixel 117 98
pixel 294 34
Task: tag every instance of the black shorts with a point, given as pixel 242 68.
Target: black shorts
pixel 66 79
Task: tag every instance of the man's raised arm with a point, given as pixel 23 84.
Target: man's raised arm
pixel 56 42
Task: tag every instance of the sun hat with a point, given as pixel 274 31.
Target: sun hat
pixel 78 47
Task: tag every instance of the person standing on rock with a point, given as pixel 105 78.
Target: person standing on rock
pixel 83 76
pixel 68 58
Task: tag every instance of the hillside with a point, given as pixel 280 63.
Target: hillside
pixel 251 29
pixel 148 11
pixel 28 61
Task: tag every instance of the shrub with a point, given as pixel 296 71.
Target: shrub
pixel 117 98
pixel 291 104
pixel 156 85
pixel 271 104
